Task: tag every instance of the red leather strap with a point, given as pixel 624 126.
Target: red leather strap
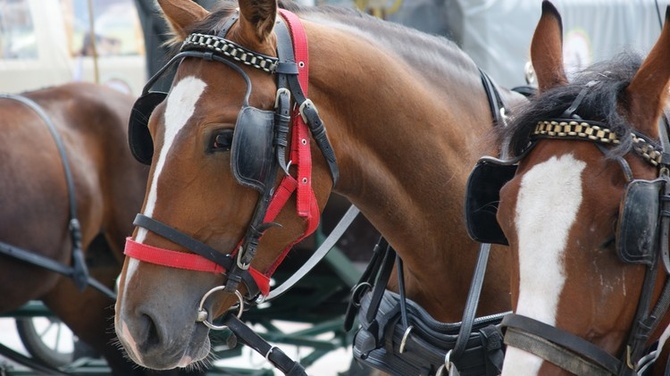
pixel 301 153
pixel 187 261
pixel 282 194
pixel 299 46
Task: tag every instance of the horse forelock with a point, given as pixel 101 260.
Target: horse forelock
pixel 601 103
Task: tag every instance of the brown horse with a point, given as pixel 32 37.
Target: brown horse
pixel 403 113
pixel 581 214
pixel 108 184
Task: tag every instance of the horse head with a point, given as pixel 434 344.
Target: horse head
pixel 215 181
pixel 582 213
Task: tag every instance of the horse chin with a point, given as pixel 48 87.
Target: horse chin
pixel 172 354
pixel 196 352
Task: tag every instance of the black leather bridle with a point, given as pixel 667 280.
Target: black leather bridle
pixel 567 350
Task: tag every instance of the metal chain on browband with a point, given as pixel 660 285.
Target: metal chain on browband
pixel 269 64
pixel 230 49
pixel 598 132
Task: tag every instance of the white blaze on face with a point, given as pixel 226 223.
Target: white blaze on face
pixel 547 204
pixel 179 109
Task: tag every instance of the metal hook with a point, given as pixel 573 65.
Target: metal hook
pixel 358 291
pixel 405 336
pixel 267 354
pixel 240 264
pixel 503 116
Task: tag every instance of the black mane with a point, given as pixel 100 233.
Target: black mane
pixel 600 103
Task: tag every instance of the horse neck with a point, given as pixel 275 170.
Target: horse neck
pixel 404 137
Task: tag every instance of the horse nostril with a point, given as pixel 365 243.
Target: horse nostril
pixel 152 337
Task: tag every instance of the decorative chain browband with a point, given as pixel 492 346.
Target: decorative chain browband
pixel 230 49
pixel 583 130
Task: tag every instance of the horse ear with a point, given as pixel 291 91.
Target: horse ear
pixel 257 19
pixel 180 14
pixel 546 49
pixel 648 90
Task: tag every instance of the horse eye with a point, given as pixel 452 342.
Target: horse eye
pixel 608 242
pixel 221 140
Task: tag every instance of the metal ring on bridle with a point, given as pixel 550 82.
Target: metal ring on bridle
pixel 358 291
pixel 203 314
pixel 447 361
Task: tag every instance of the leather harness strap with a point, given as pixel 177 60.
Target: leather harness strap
pixel 381 265
pixel 546 337
pixel 272 353
pixel 79 270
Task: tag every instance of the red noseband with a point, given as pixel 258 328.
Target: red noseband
pixel 188 261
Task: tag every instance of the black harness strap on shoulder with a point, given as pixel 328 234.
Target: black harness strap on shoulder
pixel 398 336
pixel 472 302
pixel 493 96
pixel 79 270
pixel 365 283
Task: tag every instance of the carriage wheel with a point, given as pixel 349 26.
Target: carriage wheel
pixel 47 339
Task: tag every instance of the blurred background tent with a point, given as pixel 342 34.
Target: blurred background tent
pixel 495 33
pixel 50 42
pixel 47 42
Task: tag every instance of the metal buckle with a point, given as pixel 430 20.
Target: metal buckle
pixel 240 264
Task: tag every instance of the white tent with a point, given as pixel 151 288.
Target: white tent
pixel 47 42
